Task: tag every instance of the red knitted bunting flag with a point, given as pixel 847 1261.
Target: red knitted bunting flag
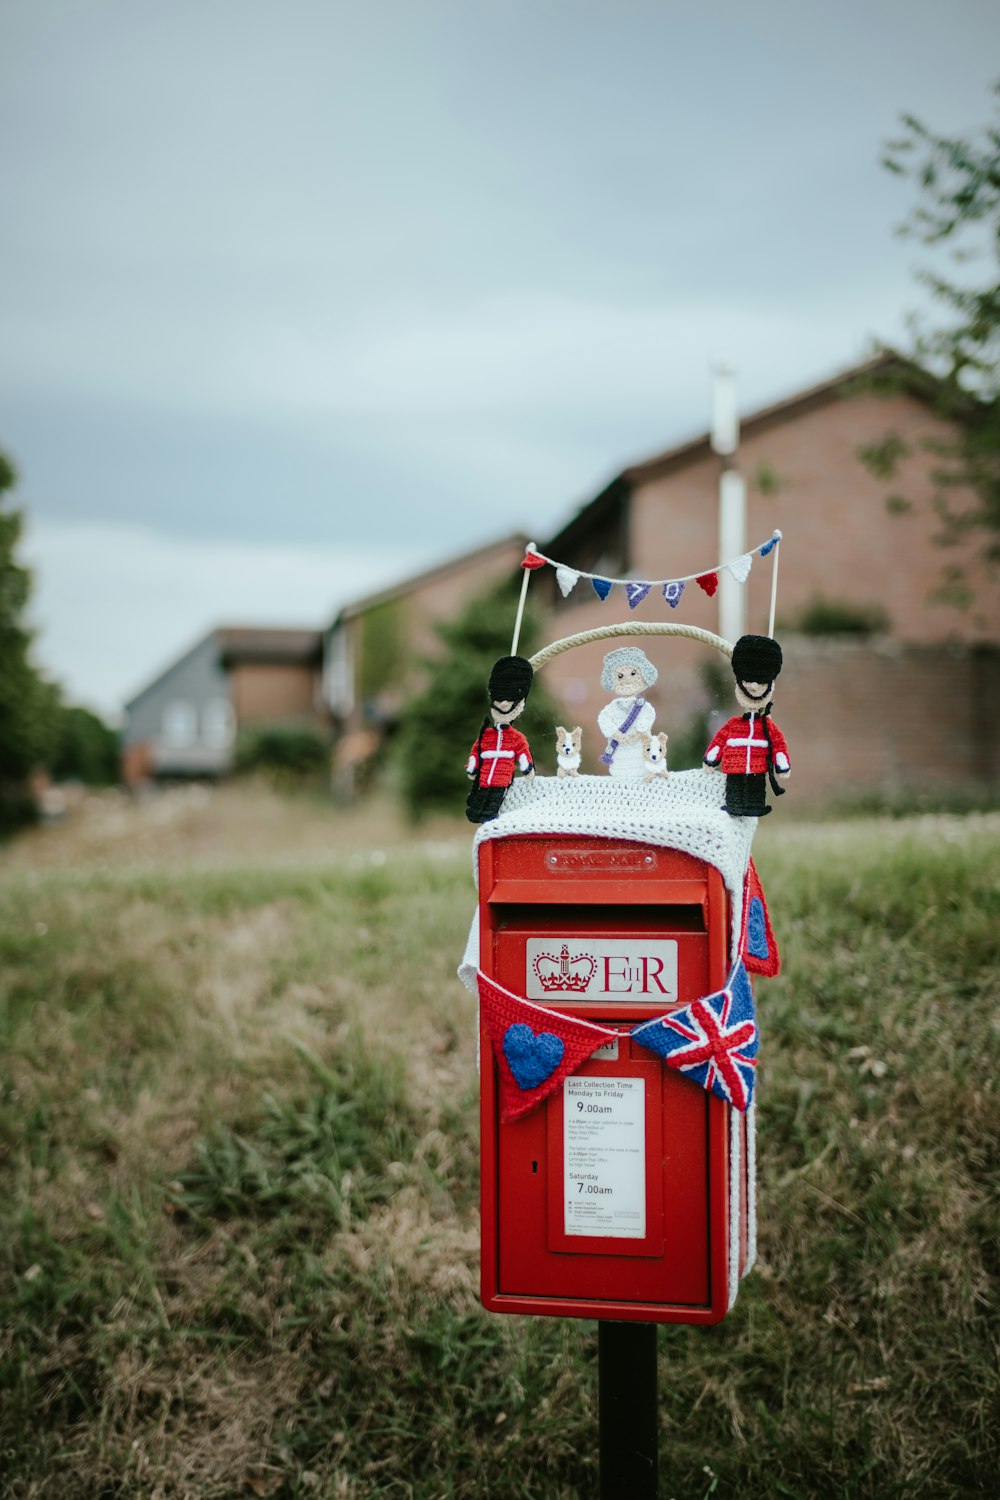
pixel 709 582
pixel 535 1048
pixel 758 949
pixel 532 560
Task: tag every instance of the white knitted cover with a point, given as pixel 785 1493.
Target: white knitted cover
pixel 682 810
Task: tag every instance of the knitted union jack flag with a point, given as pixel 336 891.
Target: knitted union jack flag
pixel 712 1040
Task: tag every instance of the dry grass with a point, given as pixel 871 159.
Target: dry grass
pixel 238 1149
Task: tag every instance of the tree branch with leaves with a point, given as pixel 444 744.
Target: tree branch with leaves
pixel 957 363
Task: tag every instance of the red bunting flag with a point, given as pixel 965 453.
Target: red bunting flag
pixel 709 582
pixel 758 949
pixel 535 1048
pixel 532 560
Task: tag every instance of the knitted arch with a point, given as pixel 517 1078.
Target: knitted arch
pixel 609 632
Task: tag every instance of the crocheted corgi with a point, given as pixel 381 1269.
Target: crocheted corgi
pixel 654 755
pixel 569 743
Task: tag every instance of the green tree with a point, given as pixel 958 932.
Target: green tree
pixel 27 702
pixel 440 724
pixel 37 730
pixel 84 748
pixel 957 364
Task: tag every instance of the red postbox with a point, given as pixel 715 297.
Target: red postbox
pixel 628 1194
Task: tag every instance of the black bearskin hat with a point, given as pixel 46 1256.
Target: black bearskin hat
pixel 510 679
pixel 756 658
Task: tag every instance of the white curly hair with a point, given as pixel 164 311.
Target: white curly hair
pixel 631 656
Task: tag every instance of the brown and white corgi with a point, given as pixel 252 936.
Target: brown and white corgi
pixel 654 754
pixel 568 748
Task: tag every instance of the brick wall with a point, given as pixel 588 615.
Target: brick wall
pixel 887 716
pixel 273 691
pixel 859 715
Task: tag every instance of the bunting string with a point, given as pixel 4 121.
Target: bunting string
pixel 636 589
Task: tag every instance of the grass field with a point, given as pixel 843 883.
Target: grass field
pixel 238 1146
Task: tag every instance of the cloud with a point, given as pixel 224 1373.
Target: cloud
pixel 115 604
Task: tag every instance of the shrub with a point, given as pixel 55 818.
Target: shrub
pixel 285 753
pixel 838 617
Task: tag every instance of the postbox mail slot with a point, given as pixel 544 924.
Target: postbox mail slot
pixel 531 916
pixel 591 893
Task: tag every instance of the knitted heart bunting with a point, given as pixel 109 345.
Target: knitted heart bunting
pixel 535 1048
pixel 709 582
pixel 533 1055
pixel 635 593
pixel 758 948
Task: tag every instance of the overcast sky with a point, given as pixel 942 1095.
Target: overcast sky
pixel 297 296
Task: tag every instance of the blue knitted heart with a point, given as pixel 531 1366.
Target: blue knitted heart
pixel 757 930
pixel 532 1056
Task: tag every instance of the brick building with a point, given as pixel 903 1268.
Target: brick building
pixel 912 701
pixel 375 647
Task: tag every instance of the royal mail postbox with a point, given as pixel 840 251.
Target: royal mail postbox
pixel 628 1192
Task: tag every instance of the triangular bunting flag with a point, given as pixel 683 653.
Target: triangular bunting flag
pixel 769 546
pixel 567 579
pixel 635 593
pixel 602 587
pixel 535 1048
pixel 758 949
pixel 713 1041
pixel 672 593
pixel 709 582
pixel 740 567
pixel 532 560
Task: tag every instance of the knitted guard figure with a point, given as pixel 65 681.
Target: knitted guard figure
pixel 749 749
pixel 627 672
pixel 498 750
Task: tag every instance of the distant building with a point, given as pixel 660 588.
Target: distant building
pixel 184 723
pixel 375 648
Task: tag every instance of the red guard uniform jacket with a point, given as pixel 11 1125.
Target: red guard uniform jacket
pixel 740 747
pixel 495 754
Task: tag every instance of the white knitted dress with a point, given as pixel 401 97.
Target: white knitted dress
pixel 628 763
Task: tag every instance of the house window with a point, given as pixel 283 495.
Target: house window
pixel 339 673
pixel 180 724
pixel 218 723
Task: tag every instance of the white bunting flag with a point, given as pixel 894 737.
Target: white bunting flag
pixel 566 578
pixel 740 567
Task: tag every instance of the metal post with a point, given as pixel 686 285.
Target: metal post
pixel 626 1360
pixel 732 500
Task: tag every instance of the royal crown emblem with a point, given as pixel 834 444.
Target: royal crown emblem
pixel 564 973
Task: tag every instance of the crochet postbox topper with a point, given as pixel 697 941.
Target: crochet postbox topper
pixel 750 749
pixel 499 749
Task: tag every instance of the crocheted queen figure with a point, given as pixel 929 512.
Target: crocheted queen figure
pixel 628 672
pixel 499 749
pixel 750 748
